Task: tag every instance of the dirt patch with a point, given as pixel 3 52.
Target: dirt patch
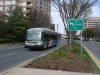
pixel 66 62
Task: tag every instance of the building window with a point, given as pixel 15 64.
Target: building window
pixel 23 4
pixel 13 2
pixel 6 9
pixel 1 8
pixel 7 2
pixel 28 2
pixel 7 14
pixel 1 2
pixel 24 9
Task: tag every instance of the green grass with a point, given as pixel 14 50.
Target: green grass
pixel 85 56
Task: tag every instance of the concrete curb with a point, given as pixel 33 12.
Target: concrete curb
pixel 25 63
pixel 98 42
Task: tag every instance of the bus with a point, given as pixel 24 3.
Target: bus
pixel 41 38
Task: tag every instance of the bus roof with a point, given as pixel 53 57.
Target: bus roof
pixel 45 30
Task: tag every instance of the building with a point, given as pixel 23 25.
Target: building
pixel 43 6
pixel 25 4
pixel 91 22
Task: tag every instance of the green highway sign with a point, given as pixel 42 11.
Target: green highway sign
pixel 75 24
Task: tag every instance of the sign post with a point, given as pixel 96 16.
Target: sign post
pixel 75 25
pixel 57 38
pixel 81 43
pixel 70 41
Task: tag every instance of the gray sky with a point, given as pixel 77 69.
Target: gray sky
pixel 57 20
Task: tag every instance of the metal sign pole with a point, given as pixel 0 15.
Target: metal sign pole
pixel 70 41
pixel 81 44
pixel 57 37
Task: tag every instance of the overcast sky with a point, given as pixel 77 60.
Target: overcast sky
pixel 57 20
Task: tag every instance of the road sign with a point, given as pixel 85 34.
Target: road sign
pixel 75 24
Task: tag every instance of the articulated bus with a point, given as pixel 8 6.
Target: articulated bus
pixel 41 38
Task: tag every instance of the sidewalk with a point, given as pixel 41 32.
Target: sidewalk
pixel 29 71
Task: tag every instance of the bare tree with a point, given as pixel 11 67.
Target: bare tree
pixel 45 21
pixel 38 19
pixel 73 9
pixel 32 17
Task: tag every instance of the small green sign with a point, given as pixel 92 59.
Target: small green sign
pixel 75 24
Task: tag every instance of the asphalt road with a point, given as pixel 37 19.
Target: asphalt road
pixel 11 56
pixel 93 47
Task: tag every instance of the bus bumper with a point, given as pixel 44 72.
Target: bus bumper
pixel 35 46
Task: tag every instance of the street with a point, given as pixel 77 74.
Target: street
pixel 11 56
pixel 93 47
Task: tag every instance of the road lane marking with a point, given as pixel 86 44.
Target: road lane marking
pixel 7 55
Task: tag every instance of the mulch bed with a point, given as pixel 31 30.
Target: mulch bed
pixel 69 62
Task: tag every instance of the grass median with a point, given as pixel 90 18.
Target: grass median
pixel 65 60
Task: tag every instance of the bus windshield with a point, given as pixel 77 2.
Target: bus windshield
pixel 34 36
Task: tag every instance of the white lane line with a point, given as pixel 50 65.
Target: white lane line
pixel 7 55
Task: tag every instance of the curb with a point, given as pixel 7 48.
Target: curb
pixel 25 63
pixel 98 42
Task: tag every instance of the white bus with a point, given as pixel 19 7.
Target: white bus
pixel 41 38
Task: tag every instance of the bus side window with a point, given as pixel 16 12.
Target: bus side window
pixel 44 37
